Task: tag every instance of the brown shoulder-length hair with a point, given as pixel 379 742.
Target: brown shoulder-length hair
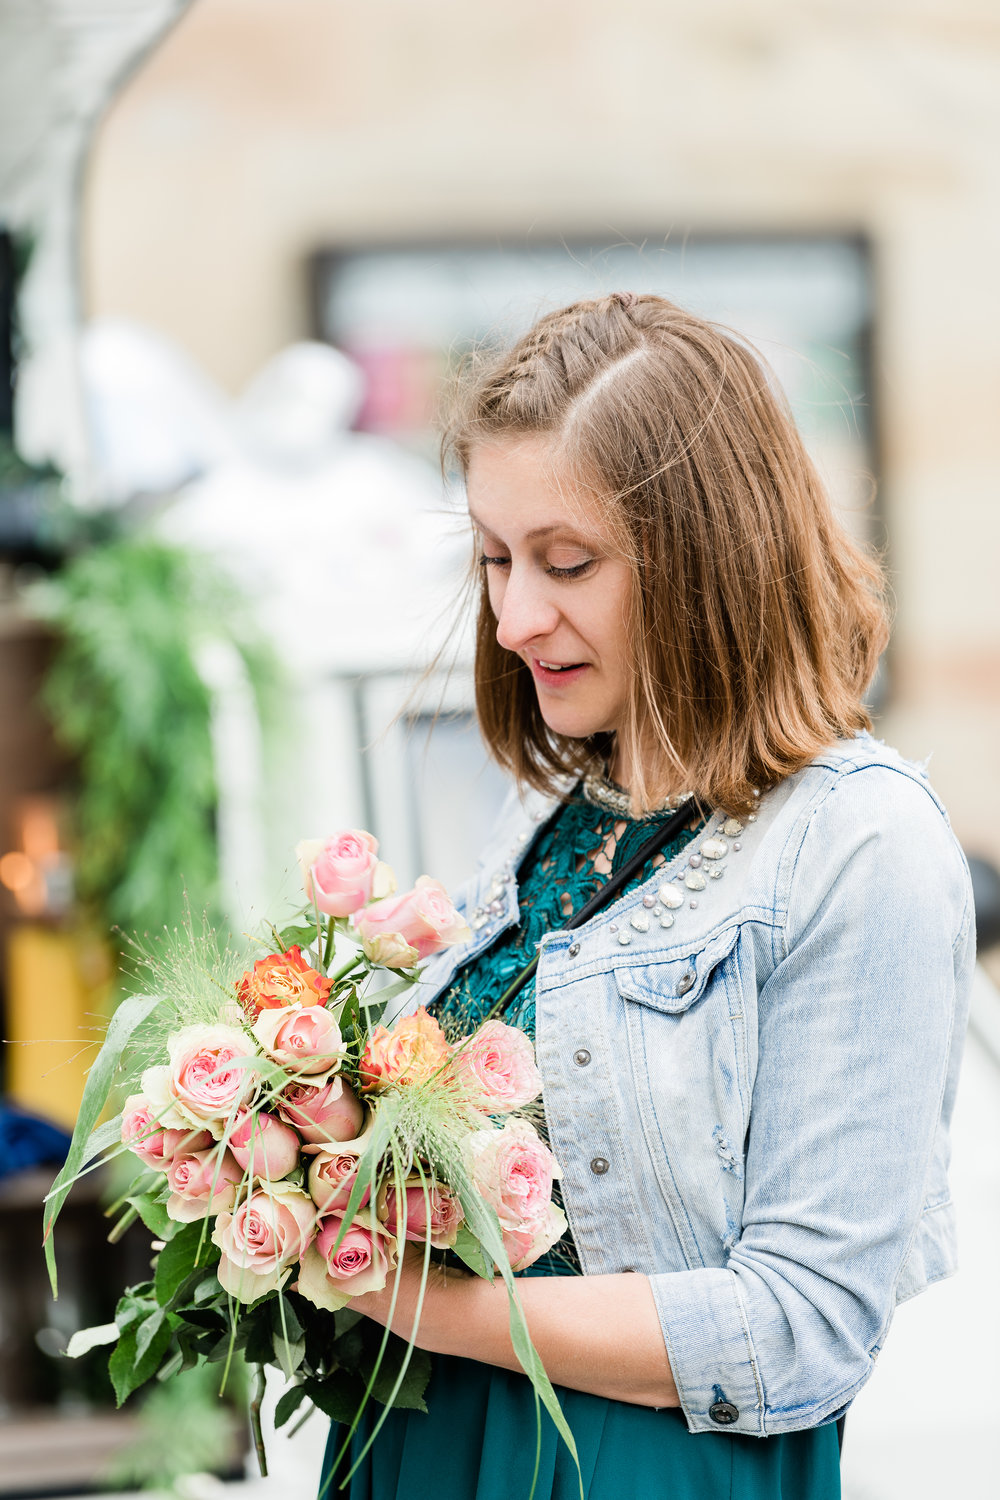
pixel 755 621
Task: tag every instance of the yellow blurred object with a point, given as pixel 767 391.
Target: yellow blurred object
pixel 57 987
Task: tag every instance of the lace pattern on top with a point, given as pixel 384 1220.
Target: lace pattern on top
pixel 568 862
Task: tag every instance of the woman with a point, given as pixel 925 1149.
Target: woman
pixel 750 1055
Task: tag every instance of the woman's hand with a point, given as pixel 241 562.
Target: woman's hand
pixel 593 1333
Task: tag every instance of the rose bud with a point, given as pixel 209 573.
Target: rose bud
pixel 154 1145
pixel 331 1112
pixel 332 1173
pixel 432 1212
pixel 331 1276
pixel 262 1238
pixel 424 919
pixel 263 1145
pixel 302 1038
pixel 341 873
pixel 202 1183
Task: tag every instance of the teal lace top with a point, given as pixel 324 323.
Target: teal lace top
pixel 566 865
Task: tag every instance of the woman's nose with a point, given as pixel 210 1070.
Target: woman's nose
pixel 525 612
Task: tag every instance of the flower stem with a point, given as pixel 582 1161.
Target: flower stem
pixel 255 1427
pixel 117 1230
pixel 352 963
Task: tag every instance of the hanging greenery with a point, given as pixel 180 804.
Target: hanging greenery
pixel 127 701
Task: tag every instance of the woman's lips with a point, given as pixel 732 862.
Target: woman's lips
pixel 556 674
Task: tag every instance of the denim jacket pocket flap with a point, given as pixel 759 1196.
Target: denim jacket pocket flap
pixel 674 984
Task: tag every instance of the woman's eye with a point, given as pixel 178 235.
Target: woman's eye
pixel 493 562
pixel 576 571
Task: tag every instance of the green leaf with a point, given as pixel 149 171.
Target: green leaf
pixel 133 1306
pixel 189 1249
pixel 396 1356
pixel 147 1331
pixel 255 1335
pixel 130 1016
pixel 289 1356
pixel 288 1404
pixel 305 937
pixel 469 1250
pixel 86 1339
pixel 153 1213
pixel 128 1367
pixel 337 1396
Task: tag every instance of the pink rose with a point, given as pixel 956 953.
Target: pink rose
pixel 330 1276
pixel 341 873
pixel 331 1112
pixel 262 1238
pixel 432 1212
pixel 513 1170
pixel 302 1038
pixel 496 1070
pixel 203 1081
pixel 525 1245
pixel 202 1183
pixel 423 920
pixel 331 1178
pixel 412 1052
pixel 153 1144
pixel 263 1145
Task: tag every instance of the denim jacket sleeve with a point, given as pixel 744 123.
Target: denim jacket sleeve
pixel 855 1066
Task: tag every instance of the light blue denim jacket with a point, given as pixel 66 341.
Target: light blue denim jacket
pixel 749 1070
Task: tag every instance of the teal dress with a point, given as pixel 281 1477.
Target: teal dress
pixel 477 1440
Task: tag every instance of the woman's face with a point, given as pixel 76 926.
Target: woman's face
pixel 557 587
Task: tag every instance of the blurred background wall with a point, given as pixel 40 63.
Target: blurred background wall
pixel 258 133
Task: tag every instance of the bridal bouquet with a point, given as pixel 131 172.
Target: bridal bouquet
pixel 291 1137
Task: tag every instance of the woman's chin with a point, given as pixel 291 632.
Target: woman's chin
pixel 571 725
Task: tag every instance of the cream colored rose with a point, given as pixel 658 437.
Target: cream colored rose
pixel 263 1238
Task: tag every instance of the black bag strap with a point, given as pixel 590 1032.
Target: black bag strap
pixel 663 835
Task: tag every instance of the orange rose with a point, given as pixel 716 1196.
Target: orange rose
pixel 411 1052
pixel 282 979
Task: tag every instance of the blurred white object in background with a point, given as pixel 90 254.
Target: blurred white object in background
pixel 351 560
pixel 303 401
pixel 342 540
pixel 154 419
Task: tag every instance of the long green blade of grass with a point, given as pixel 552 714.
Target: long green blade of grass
pixel 131 1014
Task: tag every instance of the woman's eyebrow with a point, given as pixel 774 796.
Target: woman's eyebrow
pixel 560 528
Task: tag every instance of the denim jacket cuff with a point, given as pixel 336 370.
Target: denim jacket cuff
pixel 710 1350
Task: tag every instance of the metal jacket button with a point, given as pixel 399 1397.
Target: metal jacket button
pixel 685 982
pixel 599 1166
pixel 581 1058
pixel 573 949
pixel 723 1412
